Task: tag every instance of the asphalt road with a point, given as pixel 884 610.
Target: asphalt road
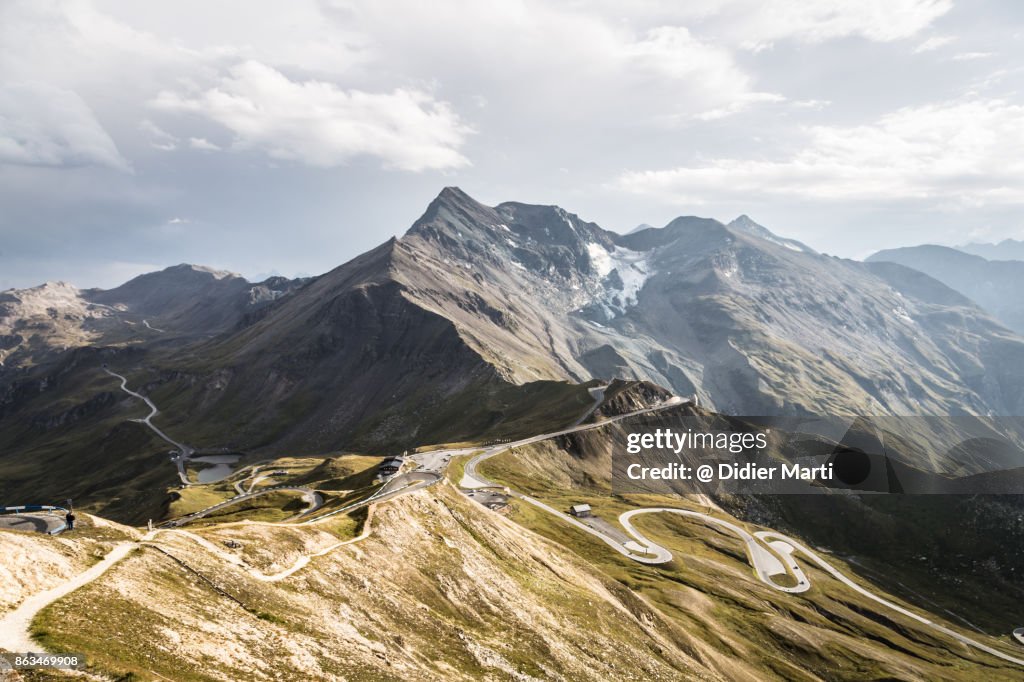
pixel 472 479
pixel 766 564
pixel 437 460
pixel 597 393
pixel 184 451
pixel 835 573
pixel 774 557
pixel 312 497
pixel 402 484
pixel 36 522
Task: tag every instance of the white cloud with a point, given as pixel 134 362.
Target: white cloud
pixel 593 86
pixel 756 24
pixel 322 125
pixel 756 46
pixel 814 104
pixel 971 56
pixel 203 144
pixel 741 102
pixel 45 126
pixel 158 137
pixel 555 60
pixel 979 233
pixel 956 153
pixel 934 43
pixel 674 53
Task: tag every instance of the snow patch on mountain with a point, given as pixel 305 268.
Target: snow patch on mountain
pixel 623 273
pixel 600 260
pixel 634 269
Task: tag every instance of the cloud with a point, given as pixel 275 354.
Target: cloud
pixel 934 43
pixel 319 124
pixel 741 102
pixel 955 153
pixel 203 144
pixel 158 137
pixel 41 125
pixel 755 24
pixel 813 104
pixel 553 61
pixel 674 53
pixel 971 56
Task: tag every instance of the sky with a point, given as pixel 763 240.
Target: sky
pixel 286 138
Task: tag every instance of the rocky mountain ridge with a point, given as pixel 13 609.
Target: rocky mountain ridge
pixel 479 314
pixel 750 323
pixel 182 300
pixel 995 285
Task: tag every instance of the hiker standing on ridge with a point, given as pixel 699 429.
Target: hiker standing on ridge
pixel 70 519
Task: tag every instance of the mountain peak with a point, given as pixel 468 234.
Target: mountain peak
pixel 453 193
pixel 640 228
pixel 190 268
pixel 935 259
pixel 683 227
pixel 454 198
pixel 744 221
pixel 451 207
pixel 746 225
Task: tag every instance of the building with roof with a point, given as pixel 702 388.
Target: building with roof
pixel 390 466
pixel 580 510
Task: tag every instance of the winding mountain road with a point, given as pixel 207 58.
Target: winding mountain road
pixel 766 564
pixel 15 626
pixel 835 573
pixel 772 558
pixel 300 563
pixel 471 479
pixel 769 552
pixel 184 451
pixel 313 499
pixel 402 484
pixel 49 523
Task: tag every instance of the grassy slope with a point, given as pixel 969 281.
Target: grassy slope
pixel 502 604
pixel 710 589
pixel 75 440
pixel 90 452
pixel 334 476
pixel 460 576
pixel 960 553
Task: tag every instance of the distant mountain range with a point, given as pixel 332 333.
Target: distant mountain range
pixel 181 300
pixel 995 285
pixel 1008 249
pixel 439 334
